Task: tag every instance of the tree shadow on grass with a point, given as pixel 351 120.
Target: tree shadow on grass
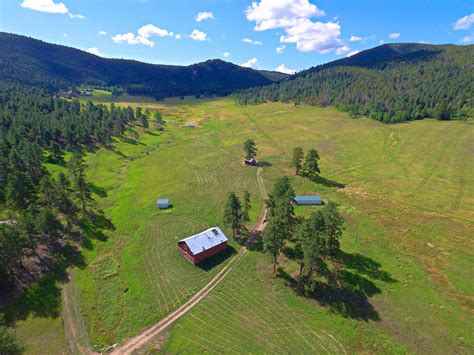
pixel 327 182
pixel 263 164
pixel 99 191
pixel 254 241
pixel 349 298
pixel 365 266
pixel 93 225
pixel 43 298
pixel 288 252
pixel 217 259
pixel 347 291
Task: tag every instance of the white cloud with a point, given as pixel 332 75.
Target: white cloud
pixel 342 50
pixel 225 54
pixel 355 39
pixel 93 50
pixel 45 6
pixel 201 16
pixel 251 63
pixel 314 36
pixel 280 49
pixel 151 30
pixel 143 36
pixel 269 14
pixel 65 35
pixel 464 23
pixel 80 17
pixel 394 35
pixel 283 69
pixel 102 33
pixel 350 54
pixel 198 35
pixel 467 39
pixel 294 16
pixel 422 42
pixel 178 36
pixel 125 37
pixel 248 40
pixel 48 6
pixel 381 41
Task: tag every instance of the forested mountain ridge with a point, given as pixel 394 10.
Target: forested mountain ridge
pixel 28 61
pixel 390 83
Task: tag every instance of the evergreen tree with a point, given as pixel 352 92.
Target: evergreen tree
pixel 279 202
pixel 49 225
pixel 250 149
pixel 144 120
pixel 233 214
pixel 20 190
pixel 77 168
pixel 297 159
pixel 61 193
pixel 158 119
pixel 334 226
pixel 56 153
pixel 8 341
pixel 311 244
pixel 311 166
pixel 441 111
pixel 11 250
pixel 274 239
pixel 46 189
pixel 246 208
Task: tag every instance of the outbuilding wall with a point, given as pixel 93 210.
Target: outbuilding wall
pixel 196 259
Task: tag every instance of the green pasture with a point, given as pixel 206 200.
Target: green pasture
pixel 406 193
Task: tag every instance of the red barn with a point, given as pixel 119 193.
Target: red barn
pixel 203 245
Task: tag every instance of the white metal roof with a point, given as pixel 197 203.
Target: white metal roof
pixel 205 240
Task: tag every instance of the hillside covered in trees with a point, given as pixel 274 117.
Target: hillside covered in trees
pixel 390 83
pixel 28 61
pixel 47 206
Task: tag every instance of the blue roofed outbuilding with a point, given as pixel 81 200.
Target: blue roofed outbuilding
pixel 163 203
pixel 307 200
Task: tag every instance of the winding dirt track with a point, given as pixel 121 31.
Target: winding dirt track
pixel 143 338
pixel 77 336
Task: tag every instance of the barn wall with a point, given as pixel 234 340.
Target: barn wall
pixel 185 252
pixel 209 252
pixel 196 259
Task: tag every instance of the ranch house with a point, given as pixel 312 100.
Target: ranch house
pixel 201 246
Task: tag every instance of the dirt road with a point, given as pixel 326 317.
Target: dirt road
pixel 143 338
pixel 76 331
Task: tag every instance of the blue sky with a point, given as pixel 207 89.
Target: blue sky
pixel 264 34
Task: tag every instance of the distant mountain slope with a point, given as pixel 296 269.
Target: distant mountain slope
pixel 391 83
pixel 29 61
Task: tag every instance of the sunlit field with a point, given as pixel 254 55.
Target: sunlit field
pixel 405 191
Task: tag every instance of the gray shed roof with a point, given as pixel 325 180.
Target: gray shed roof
pixel 307 198
pixel 205 240
pixel 163 201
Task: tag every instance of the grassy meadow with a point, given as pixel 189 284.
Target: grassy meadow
pixel 405 191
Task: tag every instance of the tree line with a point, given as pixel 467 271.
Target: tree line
pixel 424 82
pixel 45 213
pixel 316 238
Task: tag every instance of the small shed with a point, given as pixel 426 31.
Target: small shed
pixel 201 246
pixel 163 203
pixel 307 200
pixel 251 161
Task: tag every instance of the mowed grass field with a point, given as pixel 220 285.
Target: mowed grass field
pixel 406 193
